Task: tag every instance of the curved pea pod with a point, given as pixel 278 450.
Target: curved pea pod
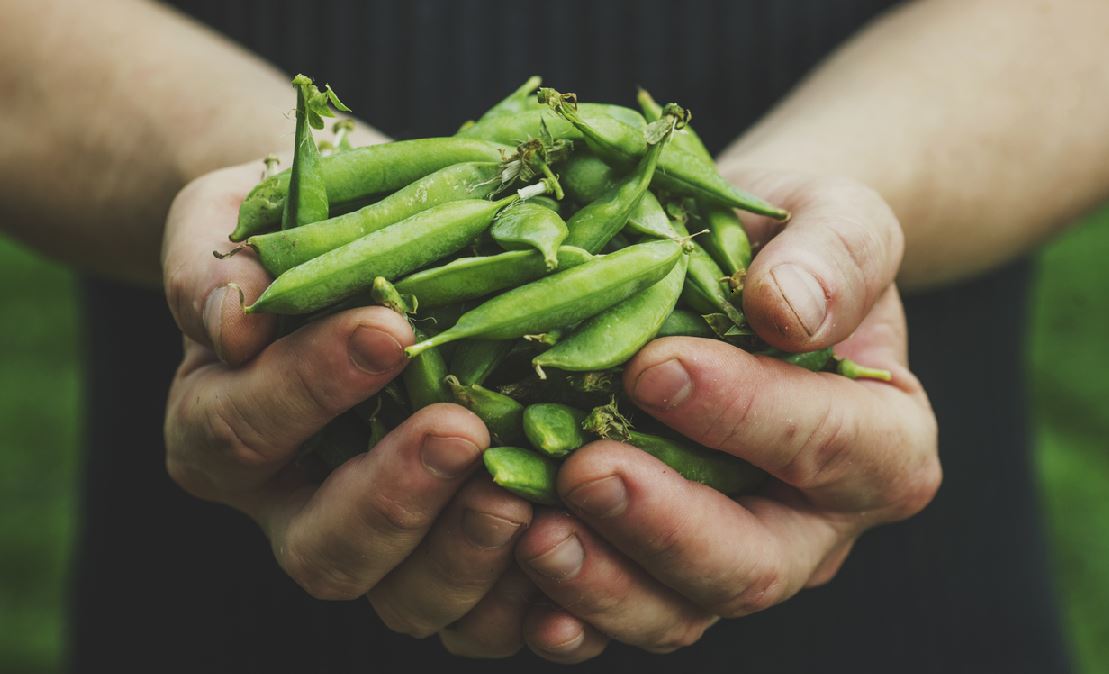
pixel 682 323
pixel 684 139
pixel 704 291
pixel 564 298
pixel 613 336
pixel 518 101
pixel 390 252
pixel 503 416
pixel 524 473
pixel 727 242
pixel 650 219
pixel 363 172
pixel 595 224
pixel 471 277
pixel 518 127
pixel 586 177
pixel 423 379
pixel 282 250
pixel 554 429
pixel 475 359
pixel 307 197
pixel 526 225
pixel 678 170
pixel 723 472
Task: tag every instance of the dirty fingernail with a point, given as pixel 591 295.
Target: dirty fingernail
pixel 664 386
pixel 375 351
pixel 213 317
pixel 562 561
pixel 606 497
pixel 448 457
pixel 804 295
pixel 486 530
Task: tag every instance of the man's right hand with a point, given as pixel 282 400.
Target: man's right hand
pixel 409 524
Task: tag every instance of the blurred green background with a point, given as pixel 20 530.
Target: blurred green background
pixel 39 422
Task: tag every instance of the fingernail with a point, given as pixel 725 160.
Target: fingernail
pixel 448 457
pixel 375 351
pixel 606 497
pixel 486 530
pixel 803 293
pixel 213 318
pixel 562 561
pixel 663 386
pixel 567 646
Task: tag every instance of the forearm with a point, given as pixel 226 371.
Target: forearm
pixel 115 105
pixel 982 122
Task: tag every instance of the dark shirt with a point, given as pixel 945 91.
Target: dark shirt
pixel 164 582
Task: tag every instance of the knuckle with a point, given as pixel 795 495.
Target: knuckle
pixel 822 456
pixel 230 431
pixel 318 389
pixel 668 544
pixel 918 489
pixel 682 634
pixel 730 425
pixel 762 591
pixel 400 619
pixel 319 578
pixel 395 516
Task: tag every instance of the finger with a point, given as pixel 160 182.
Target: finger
pixel 205 294
pixel 372 512
pixel 851 445
pixel 237 427
pixel 595 583
pixel 726 558
pixel 555 635
pixel 812 284
pixel 456 565
pixel 493 629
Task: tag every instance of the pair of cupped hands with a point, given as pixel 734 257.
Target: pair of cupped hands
pixel 640 554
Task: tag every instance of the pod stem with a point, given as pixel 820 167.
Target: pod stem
pixel 607 422
pixel 851 369
pixel 272 162
pixel 429 343
pixel 234 251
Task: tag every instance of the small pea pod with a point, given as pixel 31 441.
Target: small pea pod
pixel 723 472
pixel 682 323
pixel 362 172
pixel 678 170
pixel 282 250
pixel 554 429
pixel 595 224
pixel 307 200
pixel 704 291
pixel 586 177
pixel 475 359
pixel 524 473
pixel 390 252
pixel 727 243
pixel 613 336
pixel 564 298
pixel 423 379
pixel 518 101
pixel 503 416
pixel 471 277
pixel 649 218
pixel 519 127
pixel 527 225
pixel 684 139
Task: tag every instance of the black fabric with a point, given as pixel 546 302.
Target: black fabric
pixel 166 583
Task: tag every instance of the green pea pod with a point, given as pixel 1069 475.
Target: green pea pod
pixel 503 416
pixel 471 277
pixel 518 101
pixel 282 250
pixel 524 473
pixel 586 177
pixel 363 172
pixel 685 324
pixel 678 170
pixel 704 291
pixel 564 298
pixel 723 472
pixel 390 252
pixel 684 139
pixel 816 361
pixel 650 219
pixel 727 241
pixel 423 378
pixel 593 226
pixel 526 225
pixel 475 359
pixel 613 336
pixel 307 201
pixel 518 127
pixel 554 429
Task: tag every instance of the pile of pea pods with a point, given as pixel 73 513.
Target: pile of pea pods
pixel 534 252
